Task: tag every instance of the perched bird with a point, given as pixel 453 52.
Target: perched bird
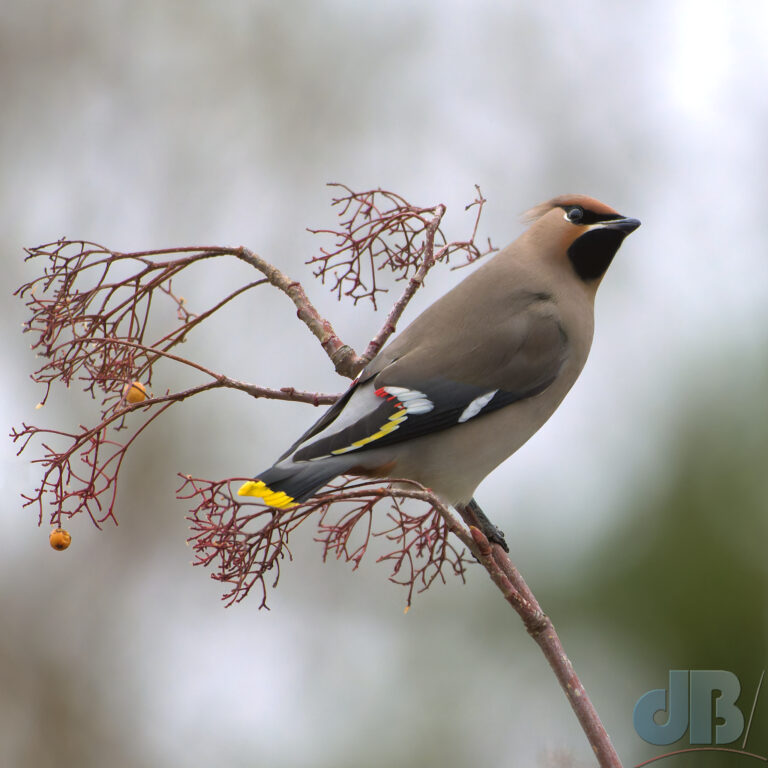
pixel 475 375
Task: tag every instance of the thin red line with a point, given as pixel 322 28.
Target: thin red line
pixel 704 749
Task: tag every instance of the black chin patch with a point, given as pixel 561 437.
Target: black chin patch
pixel 592 253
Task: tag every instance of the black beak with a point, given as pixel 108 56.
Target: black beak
pixel 623 225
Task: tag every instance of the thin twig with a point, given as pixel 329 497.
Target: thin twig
pixel 220 380
pixel 390 324
pixel 344 358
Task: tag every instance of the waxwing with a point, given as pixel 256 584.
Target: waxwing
pixel 475 375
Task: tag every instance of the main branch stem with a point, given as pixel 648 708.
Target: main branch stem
pixel 539 626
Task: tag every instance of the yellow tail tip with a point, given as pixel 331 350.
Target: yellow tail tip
pixel 260 490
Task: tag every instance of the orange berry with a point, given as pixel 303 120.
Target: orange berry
pixel 60 539
pixel 135 393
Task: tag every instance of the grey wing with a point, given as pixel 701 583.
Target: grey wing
pixel 516 352
pixel 415 389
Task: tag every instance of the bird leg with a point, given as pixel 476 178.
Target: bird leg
pixel 474 515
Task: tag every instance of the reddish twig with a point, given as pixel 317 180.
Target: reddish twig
pixel 83 476
pixel 343 357
pixel 258 538
pixel 424 551
pixel 539 626
pixel 90 318
pixel 245 541
pixel 380 230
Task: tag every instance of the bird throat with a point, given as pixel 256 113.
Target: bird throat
pixel 592 253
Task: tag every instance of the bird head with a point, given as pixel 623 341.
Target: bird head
pixel 587 232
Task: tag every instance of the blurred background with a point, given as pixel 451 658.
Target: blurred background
pixel 637 515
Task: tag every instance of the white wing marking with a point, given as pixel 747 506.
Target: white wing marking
pixel 476 406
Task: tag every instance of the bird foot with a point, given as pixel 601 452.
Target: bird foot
pixel 491 532
pixel 495 535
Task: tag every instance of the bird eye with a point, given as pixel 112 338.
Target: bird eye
pixel 575 214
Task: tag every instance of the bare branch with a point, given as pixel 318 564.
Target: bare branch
pixel 90 313
pixel 246 541
pixel 539 626
pixel 470 246
pixel 83 476
pixel 343 357
pixel 427 262
pixel 381 231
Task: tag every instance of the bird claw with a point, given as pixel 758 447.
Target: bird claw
pixel 495 535
pixel 490 531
